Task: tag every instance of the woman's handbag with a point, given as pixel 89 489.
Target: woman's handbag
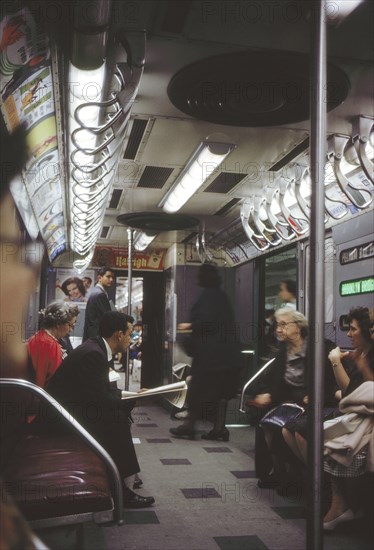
pixel 279 416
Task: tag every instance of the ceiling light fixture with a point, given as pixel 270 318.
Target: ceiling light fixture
pixel 204 161
pixel 143 240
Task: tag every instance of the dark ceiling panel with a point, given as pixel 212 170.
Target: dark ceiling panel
pixel 154 177
pixel 136 136
pixel 291 155
pixel 224 182
pixel 226 207
pixel 104 232
pixel 116 197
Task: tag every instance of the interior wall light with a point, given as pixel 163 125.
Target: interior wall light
pixel 205 159
pixel 143 240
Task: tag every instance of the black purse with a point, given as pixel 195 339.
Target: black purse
pixel 280 415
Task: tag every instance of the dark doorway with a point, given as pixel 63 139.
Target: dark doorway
pixel 152 317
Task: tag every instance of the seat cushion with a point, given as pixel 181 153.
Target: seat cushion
pixel 56 476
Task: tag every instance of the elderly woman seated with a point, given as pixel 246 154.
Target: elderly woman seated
pixel 285 381
pixel 45 347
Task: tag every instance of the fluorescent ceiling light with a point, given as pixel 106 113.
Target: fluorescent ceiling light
pixel 339 10
pixel 142 240
pixel 207 157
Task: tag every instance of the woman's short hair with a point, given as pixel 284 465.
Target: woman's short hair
pixel 296 317
pixel 75 280
pixel 362 316
pixel 208 276
pixel 57 313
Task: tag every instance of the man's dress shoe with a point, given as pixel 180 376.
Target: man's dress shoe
pixel 132 500
pixel 182 431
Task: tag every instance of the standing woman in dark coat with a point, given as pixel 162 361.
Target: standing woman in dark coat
pixel 215 357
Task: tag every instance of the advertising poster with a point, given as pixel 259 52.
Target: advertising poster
pixel 117 258
pixel 26 88
pixel 71 288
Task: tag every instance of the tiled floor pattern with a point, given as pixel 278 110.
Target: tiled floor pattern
pixel 207 496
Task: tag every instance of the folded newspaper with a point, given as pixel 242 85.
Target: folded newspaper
pixel 174 393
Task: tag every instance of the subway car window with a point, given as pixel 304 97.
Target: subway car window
pixel 280 290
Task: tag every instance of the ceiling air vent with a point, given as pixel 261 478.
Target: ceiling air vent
pixel 189 237
pixel 291 155
pixel 226 207
pixel 135 138
pixel 116 197
pixel 154 177
pixel 224 182
pixel 104 232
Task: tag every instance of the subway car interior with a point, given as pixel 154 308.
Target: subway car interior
pixel 163 135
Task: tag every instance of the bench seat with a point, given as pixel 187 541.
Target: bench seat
pixel 52 477
pixel 60 477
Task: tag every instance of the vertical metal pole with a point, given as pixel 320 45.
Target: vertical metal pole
pixel 129 294
pixel 318 99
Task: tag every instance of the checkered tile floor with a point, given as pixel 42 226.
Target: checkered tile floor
pixel 207 496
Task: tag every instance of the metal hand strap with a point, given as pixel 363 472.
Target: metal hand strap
pixel 298 224
pixel 269 233
pixel 258 241
pixel 281 226
pixel 359 196
pixel 361 134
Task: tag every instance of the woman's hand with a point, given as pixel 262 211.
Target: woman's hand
pixel 184 326
pixel 306 400
pixel 336 355
pixel 261 400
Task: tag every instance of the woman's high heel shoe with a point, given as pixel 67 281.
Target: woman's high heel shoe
pixel 213 435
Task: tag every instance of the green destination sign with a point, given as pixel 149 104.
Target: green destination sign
pixel 357 286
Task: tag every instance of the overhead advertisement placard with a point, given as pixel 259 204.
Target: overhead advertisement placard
pixel 117 258
pixel 27 96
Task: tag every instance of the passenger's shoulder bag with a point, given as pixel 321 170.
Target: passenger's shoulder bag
pixel 279 416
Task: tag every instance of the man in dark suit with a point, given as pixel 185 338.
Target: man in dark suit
pixel 81 384
pixel 98 303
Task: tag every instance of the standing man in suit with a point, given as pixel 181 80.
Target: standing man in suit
pixel 81 385
pixel 98 303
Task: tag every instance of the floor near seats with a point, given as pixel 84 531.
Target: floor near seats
pixel 207 498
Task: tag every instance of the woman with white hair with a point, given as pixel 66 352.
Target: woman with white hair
pixel 45 350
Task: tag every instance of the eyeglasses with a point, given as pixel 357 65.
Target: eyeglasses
pixel 71 325
pixel 283 325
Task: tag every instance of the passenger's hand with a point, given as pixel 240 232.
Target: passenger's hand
pixel 338 395
pixel 336 355
pixel 306 400
pixel 184 326
pixel 262 400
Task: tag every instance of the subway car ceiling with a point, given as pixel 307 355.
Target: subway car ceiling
pixel 120 97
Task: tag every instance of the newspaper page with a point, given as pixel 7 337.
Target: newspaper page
pixel 174 393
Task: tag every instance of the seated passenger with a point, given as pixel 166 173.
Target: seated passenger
pixel 358 396
pixel 45 348
pixel 82 386
pixel 285 379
